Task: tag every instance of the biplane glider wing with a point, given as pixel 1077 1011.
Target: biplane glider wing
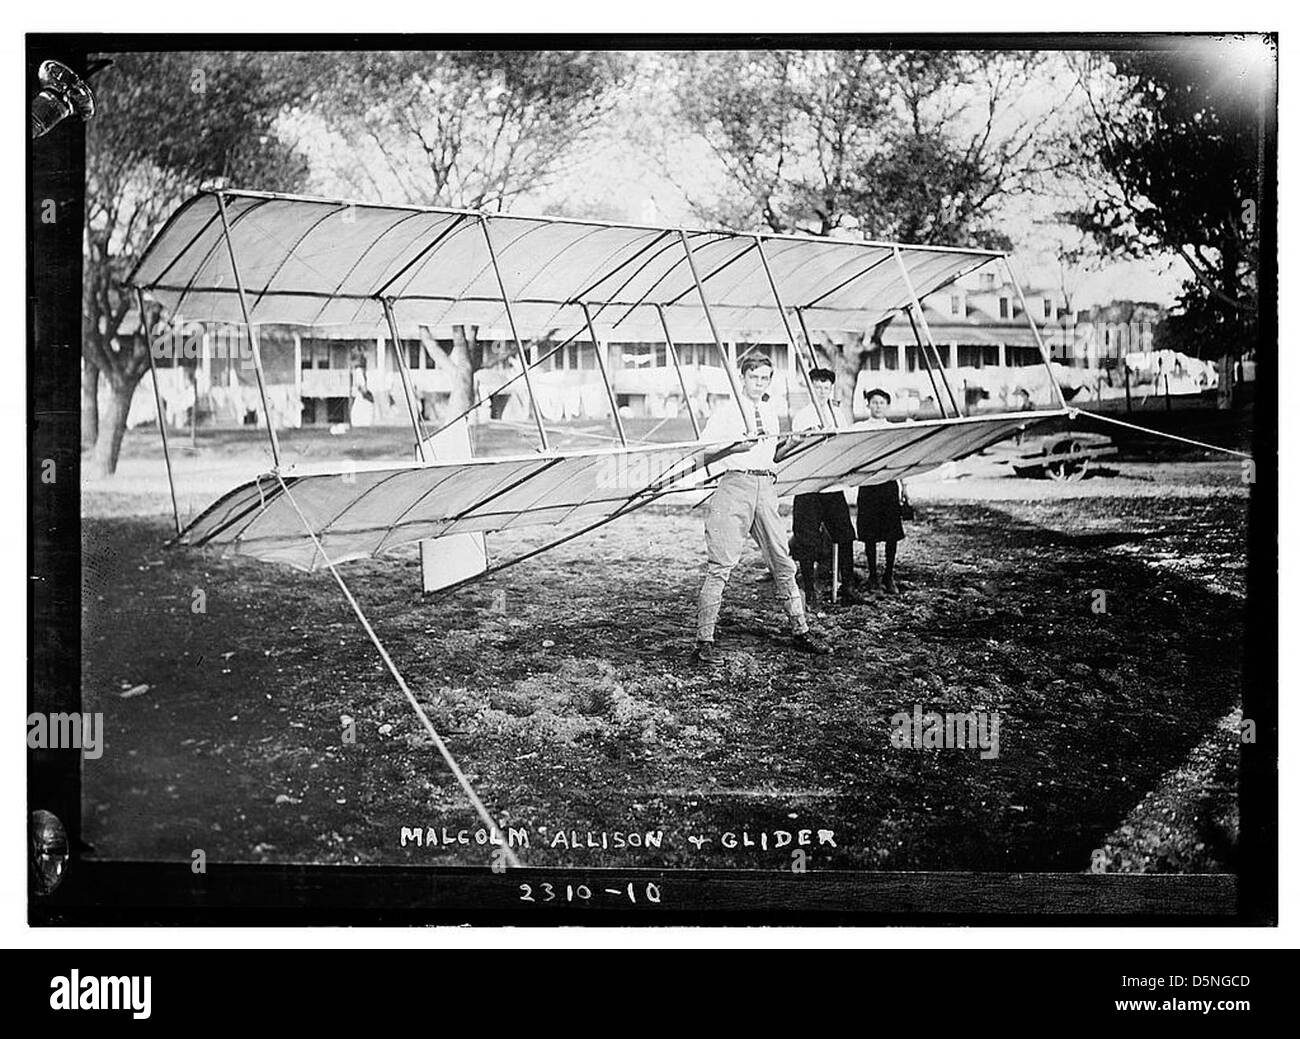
pixel 318 262
pixel 257 258
pixel 363 512
pixel 861 456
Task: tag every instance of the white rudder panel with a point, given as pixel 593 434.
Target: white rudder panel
pixel 445 561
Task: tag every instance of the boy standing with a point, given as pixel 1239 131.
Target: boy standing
pixel 880 515
pixel 826 508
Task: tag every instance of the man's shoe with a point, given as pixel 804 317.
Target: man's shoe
pixel 706 653
pixel 809 643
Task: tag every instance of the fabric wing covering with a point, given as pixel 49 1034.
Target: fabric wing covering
pixel 328 263
pixel 364 513
pixel 359 513
pixel 317 262
pixel 879 454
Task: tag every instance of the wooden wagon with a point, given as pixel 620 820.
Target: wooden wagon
pixel 1062 456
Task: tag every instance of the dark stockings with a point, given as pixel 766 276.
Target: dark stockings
pixel 891 551
pixel 807 579
pixel 847 576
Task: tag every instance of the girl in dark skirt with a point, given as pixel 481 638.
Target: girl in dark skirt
pixel 880 514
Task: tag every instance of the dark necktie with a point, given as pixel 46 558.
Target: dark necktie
pixel 758 421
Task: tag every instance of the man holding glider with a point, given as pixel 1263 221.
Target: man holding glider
pixel 744 504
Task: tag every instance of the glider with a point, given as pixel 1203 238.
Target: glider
pixel 257 258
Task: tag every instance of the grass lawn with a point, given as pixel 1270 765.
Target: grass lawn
pixel 563 688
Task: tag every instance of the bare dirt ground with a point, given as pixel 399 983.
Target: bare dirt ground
pixel 563 687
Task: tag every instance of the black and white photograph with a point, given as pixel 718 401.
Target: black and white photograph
pixel 644 476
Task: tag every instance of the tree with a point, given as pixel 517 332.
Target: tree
pixel 471 129
pixel 1070 253
pixel 465 129
pixel 921 147
pixel 1175 150
pixel 166 124
pixel 908 146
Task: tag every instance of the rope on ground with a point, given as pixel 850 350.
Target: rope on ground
pixel 461 778
pixel 1076 412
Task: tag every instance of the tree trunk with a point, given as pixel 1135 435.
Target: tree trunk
pixel 89 404
pixel 112 427
pixel 461 363
pixel 1227 376
pixel 846 362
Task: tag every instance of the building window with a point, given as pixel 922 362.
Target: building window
pixel 954 303
pixel 316 354
pixel 988 280
pixel 1047 308
pixel 699 353
pixel 579 355
pixel 978 355
pixel 1004 307
pixel 644 355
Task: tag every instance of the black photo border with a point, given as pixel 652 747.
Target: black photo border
pixel 128 893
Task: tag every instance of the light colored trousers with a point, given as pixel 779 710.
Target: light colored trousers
pixel 745 505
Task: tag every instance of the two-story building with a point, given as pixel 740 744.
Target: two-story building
pixel 983 344
pixel 989 354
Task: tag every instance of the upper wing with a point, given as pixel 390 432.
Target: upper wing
pixel 317 262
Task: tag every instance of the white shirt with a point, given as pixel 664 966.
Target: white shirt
pixel 876 423
pixel 725 424
pixel 806 419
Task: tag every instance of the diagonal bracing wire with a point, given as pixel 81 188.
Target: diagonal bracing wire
pixel 1075 413
pixel 461 778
